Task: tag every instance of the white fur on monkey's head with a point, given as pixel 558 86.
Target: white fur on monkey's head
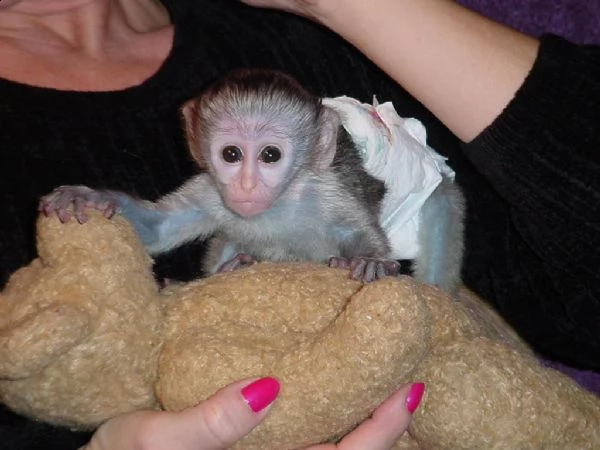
pixel 394 150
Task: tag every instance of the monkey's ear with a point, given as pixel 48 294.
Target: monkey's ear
pixel 329 124
pixel 189 113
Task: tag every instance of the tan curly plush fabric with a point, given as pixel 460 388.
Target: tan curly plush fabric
pixel 85 334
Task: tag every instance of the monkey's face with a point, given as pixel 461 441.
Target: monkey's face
pixel 250 165
pixel 255 130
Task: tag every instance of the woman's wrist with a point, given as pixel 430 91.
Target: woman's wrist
pixel 346 17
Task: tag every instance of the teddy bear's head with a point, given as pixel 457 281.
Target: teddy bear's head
pixel 81 325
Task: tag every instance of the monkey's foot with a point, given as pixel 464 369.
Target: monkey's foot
pixel 72 201
pixel 366 269
pixel 240 260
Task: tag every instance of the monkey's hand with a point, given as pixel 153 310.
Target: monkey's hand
pixel 366 269
pixel 72 201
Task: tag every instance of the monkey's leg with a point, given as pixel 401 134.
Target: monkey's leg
pixel 224 255
pixel 366 269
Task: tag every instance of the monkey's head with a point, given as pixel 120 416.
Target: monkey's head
pixel 255 131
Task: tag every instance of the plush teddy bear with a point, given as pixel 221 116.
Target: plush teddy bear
pixel 85 334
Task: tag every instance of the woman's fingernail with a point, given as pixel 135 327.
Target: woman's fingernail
pixel 261 393
pixel 414 396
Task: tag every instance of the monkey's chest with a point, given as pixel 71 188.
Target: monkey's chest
pixel 285 240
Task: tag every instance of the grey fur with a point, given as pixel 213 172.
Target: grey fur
pixel 441 237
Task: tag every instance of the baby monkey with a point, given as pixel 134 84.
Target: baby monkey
pixel 283 181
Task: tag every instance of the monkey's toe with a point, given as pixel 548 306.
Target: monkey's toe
pixel 366 269
pixel 237 262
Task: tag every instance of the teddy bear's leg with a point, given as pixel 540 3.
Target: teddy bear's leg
pixel 485 395
pixel 30 344
pixel 339 376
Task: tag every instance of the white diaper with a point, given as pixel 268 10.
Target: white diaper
pixel 395 151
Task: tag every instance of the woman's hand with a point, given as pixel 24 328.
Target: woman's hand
pixel 216 423
pixel 387 424
pixel 226 417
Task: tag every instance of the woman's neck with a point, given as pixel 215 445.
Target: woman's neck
pixel 83 44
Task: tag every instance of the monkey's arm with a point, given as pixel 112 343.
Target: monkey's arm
pixel 164 227
pixel 174 219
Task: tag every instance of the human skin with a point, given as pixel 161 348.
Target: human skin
pixel 227 416
pixel 83 45
pixel 462 66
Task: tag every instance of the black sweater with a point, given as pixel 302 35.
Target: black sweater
pixel 532 179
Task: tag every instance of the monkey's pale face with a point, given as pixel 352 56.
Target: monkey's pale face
pixel 250 170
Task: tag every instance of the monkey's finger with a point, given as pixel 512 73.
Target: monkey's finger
pixel 57 202
pixel 371 271
pixel 381 271
pixel 63 215
pixel 358 267
pixel 107 208
pixel 79 206
pixel 45 208
pixel 110 211
pixel 392 268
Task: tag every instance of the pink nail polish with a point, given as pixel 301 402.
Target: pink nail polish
pixel 261 393
pixel 414 396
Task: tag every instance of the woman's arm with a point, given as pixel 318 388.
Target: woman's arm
pixel 463 67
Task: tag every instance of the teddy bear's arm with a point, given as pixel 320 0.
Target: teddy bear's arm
pixel 30 344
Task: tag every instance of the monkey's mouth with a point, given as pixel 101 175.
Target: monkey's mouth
pixel 249 208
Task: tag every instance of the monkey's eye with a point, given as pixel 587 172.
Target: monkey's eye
pixel 232 154
pixel 270 154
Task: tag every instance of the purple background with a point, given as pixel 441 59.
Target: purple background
pixel 577 20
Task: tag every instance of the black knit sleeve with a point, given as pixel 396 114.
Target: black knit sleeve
pixel 542 155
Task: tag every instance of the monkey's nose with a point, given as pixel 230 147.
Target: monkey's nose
pixel 248 183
